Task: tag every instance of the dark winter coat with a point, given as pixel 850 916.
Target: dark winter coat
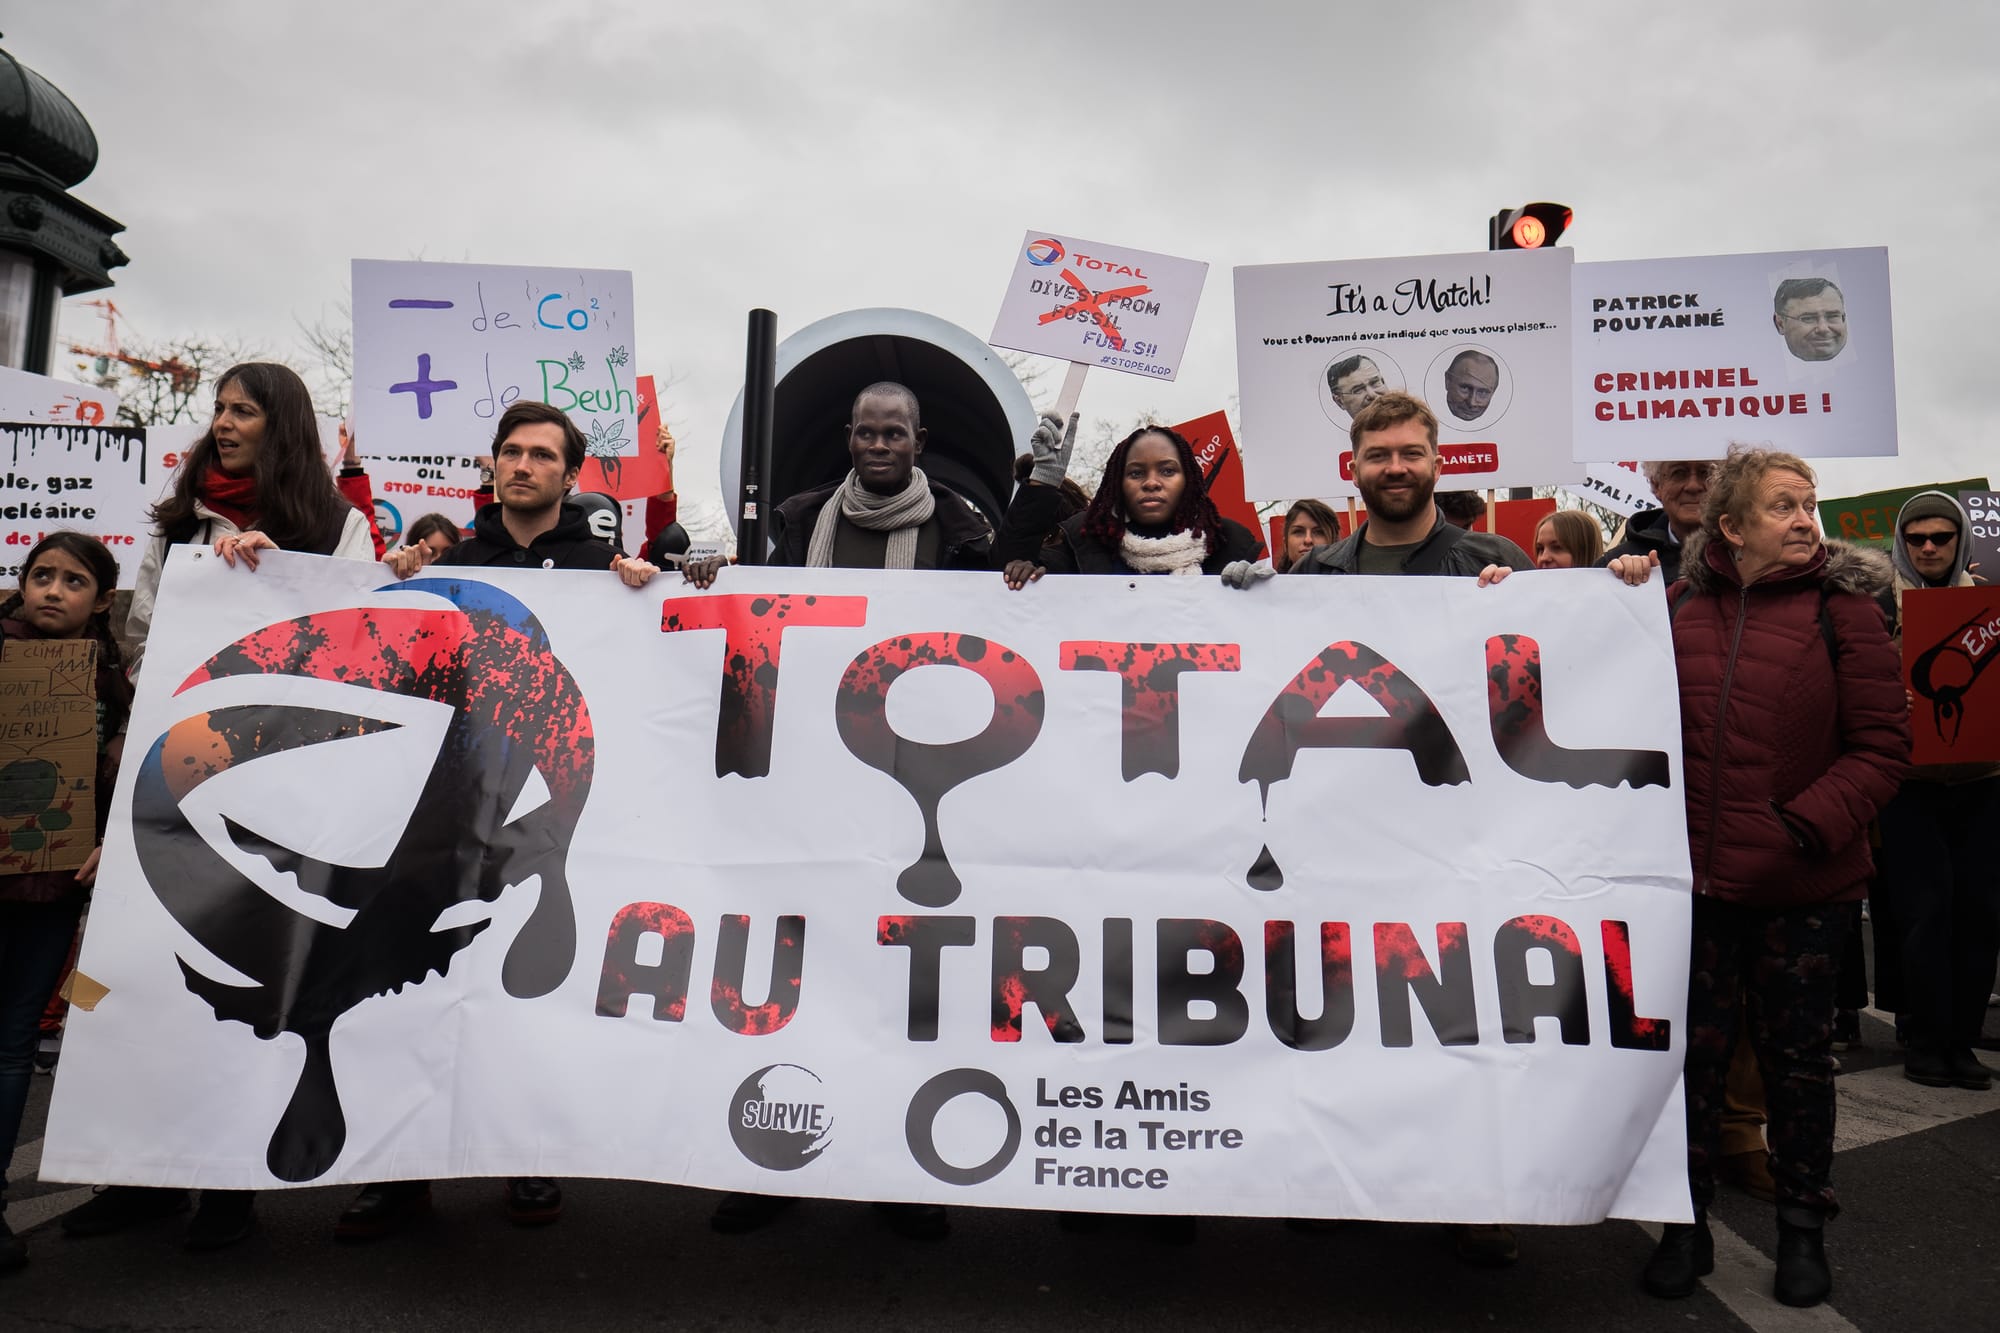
pixel 1646 533
pixel 965 538
pixel 1794 729
pixel 1078 554
pixel 568 545
pixel 1448 550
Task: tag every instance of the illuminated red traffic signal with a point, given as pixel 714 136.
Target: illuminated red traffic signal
pixel 1530 227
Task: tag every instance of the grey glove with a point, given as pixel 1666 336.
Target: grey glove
pixel 1243 573
pixel 1051 445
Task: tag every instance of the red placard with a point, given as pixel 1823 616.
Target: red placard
pixel 1951 637
pixel 1221 470
pixel 636 475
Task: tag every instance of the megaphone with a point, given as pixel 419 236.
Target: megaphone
pixel 976 415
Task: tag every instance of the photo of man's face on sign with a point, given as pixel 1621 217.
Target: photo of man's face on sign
pixel 1810 314
pixel 1471 384
pixel 1355 379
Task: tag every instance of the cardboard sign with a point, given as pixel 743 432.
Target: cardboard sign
pixel 1982 543
pixel 1871 519
pixel 1676 358
pixel 1221 466
pixel 100 480
pixel 1951 639
pixel 1480 337
pixel 1100 305
pixel 48 754
pixel 45 400
pixel 441 350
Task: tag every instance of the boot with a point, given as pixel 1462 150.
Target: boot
pixel 1803 1277
pixel 1684 1256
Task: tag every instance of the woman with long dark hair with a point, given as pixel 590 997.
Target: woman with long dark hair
pixel 1151 515
pixel 256 480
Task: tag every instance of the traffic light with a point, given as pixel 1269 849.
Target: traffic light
pixel 1530 227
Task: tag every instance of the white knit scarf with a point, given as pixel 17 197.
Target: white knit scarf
pixel 899 515
pixel 1175 553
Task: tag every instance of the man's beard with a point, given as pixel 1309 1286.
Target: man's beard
pixel 1397 511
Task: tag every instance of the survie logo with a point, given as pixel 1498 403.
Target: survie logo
pixel 1044 252
pixel 516 712
pixel 779 1117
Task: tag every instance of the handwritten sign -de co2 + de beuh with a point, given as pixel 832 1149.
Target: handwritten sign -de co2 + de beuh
pixel 442 350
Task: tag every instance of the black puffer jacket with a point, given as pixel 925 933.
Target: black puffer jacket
pixel 1078 554
pixel 1646 533
pixel 568 545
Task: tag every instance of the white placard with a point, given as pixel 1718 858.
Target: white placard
pixel 441 350
pixel 100 480
pixel 1620 487
pixel 1677 358
pixel 411 486
pixel 1480 337
pixel 45 400
pixel 504 872
pixel 1100 305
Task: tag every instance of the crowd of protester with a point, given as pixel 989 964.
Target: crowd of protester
pixel 1800 797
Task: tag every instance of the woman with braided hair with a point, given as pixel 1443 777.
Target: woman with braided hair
pixel 1151 515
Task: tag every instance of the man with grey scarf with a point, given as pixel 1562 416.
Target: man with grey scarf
pixel 885 513
pixel 1939 891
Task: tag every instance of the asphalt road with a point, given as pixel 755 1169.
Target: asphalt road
pixel 1917 1248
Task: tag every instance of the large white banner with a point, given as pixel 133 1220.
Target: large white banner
pixel 1107 894
pixel 441 350
pixel 1677 358
pixel 1480 337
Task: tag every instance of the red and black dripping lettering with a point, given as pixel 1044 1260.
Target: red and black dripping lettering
pixel 1402 971
pixel 1629 1031
pixel 1281 1001
pixel 926 937
pixel 624 976
pixel 1523 1000
pixel 667 981
pixel 928 771
pixel 1150 720
pixel 1016 985
pixel 788 955
pixel 753 625
pixel 1292 722
pixel 1520 733
pixel 1180 987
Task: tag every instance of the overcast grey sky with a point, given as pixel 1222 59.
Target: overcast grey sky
pixel 815 158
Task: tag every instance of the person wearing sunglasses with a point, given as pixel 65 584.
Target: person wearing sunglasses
pixel 1939 895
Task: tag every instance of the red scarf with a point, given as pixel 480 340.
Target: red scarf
pixel 235 498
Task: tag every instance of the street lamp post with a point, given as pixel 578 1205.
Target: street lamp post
pixel 52 244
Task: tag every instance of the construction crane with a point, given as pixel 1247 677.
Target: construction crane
pixel 179 373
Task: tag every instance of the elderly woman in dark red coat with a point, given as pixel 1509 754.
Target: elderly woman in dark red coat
pixel 1796 732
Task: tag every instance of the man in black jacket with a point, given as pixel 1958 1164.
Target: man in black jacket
pixel 885 513
pixel 537 455
pixel 1396 467
pixel 1680 487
